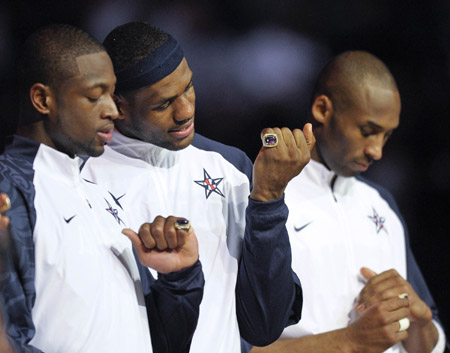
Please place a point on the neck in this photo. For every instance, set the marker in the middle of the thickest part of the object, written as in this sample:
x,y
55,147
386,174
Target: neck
x,y
35,131
317,156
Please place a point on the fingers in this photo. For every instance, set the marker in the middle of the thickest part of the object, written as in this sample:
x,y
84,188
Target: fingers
x,y
393,312
367,273
145,234
304,140
389,313
134,237
309,136
163,236
5,203
383,286
268,141
163,233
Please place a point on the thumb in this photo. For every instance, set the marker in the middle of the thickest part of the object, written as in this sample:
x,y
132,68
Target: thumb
x,y
133,236
367,273
309,136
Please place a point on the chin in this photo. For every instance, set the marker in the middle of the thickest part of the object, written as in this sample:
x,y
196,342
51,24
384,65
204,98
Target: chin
x,y
344,172
180,144
94,152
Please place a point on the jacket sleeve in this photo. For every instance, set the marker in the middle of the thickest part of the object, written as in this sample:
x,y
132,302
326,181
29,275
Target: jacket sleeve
x,y
18,268
268,292
414,275
173,306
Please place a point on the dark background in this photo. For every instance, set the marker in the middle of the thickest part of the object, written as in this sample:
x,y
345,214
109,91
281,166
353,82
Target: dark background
x,y
254,63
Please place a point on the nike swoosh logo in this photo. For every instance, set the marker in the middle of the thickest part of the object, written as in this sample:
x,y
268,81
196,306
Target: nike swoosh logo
x,y
69,219
298,229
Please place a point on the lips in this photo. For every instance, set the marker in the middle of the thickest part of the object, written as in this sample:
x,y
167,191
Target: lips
x,y
106,134
362,167
183,131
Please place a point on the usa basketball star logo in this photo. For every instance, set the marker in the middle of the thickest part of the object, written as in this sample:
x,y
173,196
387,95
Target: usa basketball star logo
x,y
211,185
378,220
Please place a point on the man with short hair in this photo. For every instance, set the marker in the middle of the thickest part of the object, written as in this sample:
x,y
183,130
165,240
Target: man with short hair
x,y
71,282
363,290
158,165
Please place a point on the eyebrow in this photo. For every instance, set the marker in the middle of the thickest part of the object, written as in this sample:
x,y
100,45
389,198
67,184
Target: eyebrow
x,y
374,125
169,99
101,85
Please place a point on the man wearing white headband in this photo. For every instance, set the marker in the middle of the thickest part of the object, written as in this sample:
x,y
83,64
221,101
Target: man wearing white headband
x,y
160,166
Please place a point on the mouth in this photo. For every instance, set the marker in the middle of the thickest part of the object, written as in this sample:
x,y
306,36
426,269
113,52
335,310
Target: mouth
x,y
362,167
183,131
106,134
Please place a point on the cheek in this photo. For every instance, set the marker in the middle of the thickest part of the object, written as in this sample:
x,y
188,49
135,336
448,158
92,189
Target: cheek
x,y
191,96
152,123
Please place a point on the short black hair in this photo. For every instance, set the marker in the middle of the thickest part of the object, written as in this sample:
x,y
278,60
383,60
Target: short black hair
x,y
344,74
131,42
48,55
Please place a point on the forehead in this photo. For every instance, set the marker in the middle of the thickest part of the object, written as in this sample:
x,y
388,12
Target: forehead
x,y
170,86
95,68
379,105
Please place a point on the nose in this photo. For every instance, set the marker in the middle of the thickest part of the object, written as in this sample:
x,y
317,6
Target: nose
x,y
374,149
184,107
110,110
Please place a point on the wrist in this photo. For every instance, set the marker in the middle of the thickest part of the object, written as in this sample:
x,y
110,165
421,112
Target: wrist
x,y
265,195
350,341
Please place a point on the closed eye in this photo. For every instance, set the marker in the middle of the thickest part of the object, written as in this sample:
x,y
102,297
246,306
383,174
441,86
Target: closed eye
x,y
92,100
366,132
163,106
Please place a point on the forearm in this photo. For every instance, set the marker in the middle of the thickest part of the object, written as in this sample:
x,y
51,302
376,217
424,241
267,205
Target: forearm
x,y
17,276
422,338
173,309
328,342
268,299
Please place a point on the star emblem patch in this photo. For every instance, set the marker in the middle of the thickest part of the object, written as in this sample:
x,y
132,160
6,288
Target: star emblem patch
x,y
210,184
378,221
114,212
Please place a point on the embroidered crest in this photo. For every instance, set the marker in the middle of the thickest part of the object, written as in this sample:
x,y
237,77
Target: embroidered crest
x,y
114,212
210,184
378,220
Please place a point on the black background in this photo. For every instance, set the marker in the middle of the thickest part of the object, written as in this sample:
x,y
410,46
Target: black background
x,y
237,50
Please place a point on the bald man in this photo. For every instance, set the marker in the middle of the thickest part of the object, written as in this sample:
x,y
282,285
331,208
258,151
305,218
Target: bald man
x,y
363,290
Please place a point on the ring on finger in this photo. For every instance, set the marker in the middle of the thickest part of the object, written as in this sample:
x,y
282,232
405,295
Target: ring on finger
x,y
6,206
404,324
182,224
270,140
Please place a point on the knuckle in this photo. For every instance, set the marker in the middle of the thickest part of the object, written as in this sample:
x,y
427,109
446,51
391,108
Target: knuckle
x,y
393,272
379,307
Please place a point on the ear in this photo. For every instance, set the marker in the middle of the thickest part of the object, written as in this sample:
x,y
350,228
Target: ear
x,y
322,109
122,105
41,97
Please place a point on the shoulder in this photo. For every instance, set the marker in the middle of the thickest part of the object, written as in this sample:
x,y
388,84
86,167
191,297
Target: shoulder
x,y
233,155
383,192
113,159
15,172
112,166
